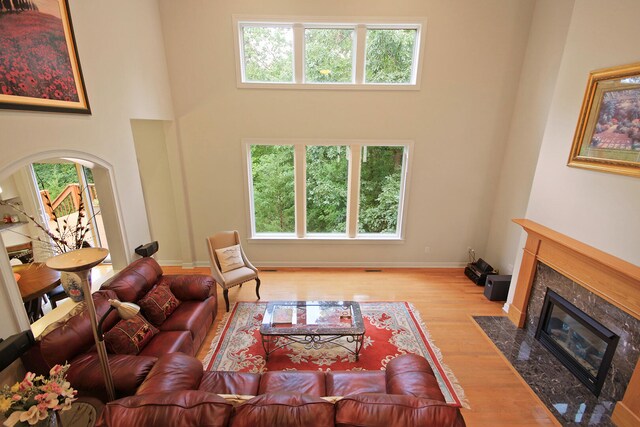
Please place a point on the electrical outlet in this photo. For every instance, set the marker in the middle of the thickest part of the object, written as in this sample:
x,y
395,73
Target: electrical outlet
x,y
427,250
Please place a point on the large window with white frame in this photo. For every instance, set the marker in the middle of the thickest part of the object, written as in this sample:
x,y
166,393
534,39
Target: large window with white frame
x,y
328,53
326,189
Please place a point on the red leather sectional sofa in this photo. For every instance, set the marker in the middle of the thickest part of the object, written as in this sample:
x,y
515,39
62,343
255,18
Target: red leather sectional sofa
x,y
71,339
178,392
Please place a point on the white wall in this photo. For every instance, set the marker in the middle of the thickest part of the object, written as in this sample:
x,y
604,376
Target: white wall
x,y
123,62
459,121
597,208
547,38
600,209
153,162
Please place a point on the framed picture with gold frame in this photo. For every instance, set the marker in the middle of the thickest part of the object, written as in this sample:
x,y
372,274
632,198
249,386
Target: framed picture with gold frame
x,y
39,65
608,134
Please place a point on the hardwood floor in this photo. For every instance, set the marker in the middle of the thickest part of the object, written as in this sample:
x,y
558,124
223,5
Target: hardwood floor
x,y
446,300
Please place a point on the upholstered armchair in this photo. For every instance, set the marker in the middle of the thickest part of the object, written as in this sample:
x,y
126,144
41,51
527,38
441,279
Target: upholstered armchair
x,y
229,264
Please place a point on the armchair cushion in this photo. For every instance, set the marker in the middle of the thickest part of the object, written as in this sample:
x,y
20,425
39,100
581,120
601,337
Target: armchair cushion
x,y
158,304
129,336
229,258
238,276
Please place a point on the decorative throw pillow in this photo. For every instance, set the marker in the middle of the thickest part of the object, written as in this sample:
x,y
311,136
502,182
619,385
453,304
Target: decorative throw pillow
x,y
129,336
158,304
229,258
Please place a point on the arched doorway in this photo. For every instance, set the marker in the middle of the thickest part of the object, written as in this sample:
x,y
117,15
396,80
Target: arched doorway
x,y
103,180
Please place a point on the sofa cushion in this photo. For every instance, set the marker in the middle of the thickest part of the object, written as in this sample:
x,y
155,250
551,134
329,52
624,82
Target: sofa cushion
x,y
342,383
135,280
222,382
188,316
158,304
180,408
129,336
169,342
391,410
187,287
128,372
283,410
307,382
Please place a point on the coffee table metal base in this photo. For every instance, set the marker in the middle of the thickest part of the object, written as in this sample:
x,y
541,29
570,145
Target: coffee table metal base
x,y
271,343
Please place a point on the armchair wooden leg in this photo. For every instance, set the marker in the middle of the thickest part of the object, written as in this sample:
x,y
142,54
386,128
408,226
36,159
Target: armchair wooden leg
x,y
258,287
226,298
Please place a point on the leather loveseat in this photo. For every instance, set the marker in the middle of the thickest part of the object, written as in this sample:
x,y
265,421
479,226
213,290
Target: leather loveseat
x,y
71,339
178,392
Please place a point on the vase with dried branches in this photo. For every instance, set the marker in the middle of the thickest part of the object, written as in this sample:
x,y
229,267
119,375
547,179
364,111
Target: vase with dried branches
x,y
66,236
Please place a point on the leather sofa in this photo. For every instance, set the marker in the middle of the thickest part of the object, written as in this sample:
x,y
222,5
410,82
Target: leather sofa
x,y
178,392
71,339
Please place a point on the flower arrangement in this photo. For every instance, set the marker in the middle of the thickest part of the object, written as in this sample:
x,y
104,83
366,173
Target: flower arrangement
x,y
37,398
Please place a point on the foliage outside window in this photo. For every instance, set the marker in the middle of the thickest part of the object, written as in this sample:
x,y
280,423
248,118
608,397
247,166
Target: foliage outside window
x,y
333,54
328,55
324,184
268,54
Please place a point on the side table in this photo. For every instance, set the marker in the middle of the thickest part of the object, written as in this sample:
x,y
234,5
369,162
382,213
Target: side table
x,y
84,412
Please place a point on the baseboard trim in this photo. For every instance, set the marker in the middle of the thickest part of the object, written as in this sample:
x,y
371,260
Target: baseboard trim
x,y
321,264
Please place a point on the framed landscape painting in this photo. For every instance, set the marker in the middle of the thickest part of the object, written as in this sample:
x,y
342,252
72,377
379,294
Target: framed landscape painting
x,y
608,134
39,66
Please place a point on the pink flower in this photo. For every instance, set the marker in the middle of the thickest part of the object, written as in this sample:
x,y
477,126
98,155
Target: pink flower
x,y
16,397
27,381
55,370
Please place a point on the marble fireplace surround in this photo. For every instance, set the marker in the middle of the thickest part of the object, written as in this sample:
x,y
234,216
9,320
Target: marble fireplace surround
x,y
614,280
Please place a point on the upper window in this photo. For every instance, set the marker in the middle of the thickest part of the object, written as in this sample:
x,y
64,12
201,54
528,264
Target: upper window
x,y
341,189
328,55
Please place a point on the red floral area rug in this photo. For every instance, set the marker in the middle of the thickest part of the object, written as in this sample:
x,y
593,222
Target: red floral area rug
x,y
391,329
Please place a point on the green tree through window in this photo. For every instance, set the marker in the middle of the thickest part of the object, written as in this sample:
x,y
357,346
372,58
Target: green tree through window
x,y
273,188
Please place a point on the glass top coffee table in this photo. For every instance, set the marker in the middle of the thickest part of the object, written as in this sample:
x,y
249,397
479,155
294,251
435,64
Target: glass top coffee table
x,y
313,324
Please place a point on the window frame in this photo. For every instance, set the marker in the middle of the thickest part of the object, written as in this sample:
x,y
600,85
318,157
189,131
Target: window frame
x,y
360,26
353,190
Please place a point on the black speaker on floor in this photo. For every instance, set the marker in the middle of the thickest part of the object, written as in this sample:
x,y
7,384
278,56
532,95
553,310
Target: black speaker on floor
x,y
478,271
497,287
148,249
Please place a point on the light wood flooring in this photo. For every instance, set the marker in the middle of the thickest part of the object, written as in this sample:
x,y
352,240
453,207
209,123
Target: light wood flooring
x,y
446,300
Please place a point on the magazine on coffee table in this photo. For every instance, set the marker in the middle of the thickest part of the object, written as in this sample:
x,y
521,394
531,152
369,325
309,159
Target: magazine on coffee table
x,y
283,315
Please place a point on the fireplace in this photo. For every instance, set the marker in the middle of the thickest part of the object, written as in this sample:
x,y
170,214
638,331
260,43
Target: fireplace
x,y
581,343
601,276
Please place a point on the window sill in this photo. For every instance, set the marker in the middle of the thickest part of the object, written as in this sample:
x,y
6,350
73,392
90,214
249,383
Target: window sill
x,y
326,240
329,86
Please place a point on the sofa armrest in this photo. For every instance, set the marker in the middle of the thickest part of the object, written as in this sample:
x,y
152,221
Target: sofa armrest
x,y
172,372
392,410
410,374
128,373
180,408
188,287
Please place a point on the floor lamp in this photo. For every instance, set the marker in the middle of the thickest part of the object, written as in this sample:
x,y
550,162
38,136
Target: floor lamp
x,y
81,262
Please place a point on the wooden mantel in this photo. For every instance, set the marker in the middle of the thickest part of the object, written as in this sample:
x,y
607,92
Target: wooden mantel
x,y
611,278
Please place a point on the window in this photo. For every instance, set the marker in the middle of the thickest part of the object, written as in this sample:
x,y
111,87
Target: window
x,y
333,190
328,55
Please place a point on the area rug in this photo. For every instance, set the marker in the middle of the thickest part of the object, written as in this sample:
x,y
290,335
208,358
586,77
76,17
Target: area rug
x,y
391,329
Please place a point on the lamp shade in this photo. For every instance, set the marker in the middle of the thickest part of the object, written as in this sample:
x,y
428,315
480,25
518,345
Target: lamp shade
x,y
126,310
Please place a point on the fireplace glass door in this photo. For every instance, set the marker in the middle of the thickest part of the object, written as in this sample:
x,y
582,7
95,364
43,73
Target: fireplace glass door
x,y
582,344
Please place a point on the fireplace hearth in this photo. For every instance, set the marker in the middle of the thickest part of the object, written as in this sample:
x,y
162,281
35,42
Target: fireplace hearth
x,y
582,344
